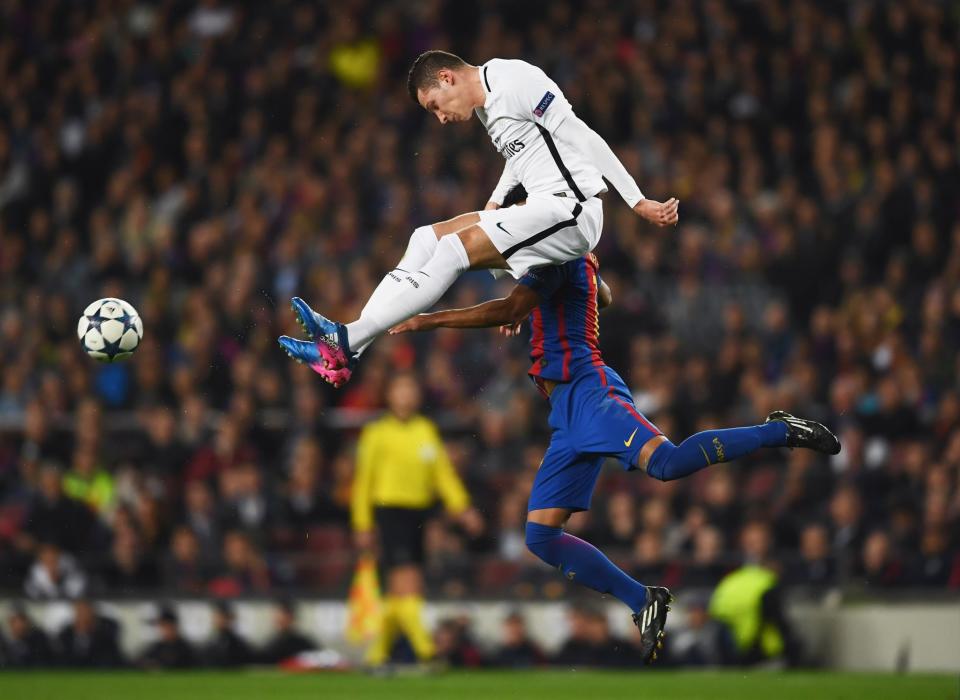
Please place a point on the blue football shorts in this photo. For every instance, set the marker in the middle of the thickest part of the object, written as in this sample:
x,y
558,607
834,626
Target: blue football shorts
x,y
593,417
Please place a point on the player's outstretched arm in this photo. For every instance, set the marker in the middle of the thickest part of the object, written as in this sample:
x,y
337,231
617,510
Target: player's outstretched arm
x,y
498,312
575,133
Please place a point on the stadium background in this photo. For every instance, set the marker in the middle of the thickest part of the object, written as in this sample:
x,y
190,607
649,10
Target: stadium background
x,y
205,161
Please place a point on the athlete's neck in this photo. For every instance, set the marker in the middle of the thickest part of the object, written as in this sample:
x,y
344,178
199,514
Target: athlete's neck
x,y
477,94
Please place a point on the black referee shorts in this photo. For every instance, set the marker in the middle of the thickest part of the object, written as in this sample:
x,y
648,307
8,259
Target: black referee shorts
x,y
401,535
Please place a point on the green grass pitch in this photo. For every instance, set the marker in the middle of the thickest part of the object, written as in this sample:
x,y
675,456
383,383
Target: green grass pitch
x,y
482,685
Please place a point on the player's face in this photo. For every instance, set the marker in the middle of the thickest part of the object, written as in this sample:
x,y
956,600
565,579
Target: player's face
x,y
449,100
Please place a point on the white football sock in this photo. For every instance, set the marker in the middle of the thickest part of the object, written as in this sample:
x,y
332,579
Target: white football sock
x,y
423,242
404,294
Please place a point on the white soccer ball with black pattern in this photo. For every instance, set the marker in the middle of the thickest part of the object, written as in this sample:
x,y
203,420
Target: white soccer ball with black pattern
x,y
110,330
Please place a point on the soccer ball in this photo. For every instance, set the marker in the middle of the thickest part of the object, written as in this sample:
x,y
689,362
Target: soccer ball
x,y
110,329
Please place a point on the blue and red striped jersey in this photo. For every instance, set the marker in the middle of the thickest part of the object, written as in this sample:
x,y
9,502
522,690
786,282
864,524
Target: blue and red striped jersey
x,y
565,326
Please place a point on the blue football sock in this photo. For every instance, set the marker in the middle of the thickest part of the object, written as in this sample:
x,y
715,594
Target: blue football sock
x,y
671,461
582,562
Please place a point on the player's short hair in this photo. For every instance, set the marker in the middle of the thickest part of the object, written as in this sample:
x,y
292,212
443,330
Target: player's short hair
x,y
423,72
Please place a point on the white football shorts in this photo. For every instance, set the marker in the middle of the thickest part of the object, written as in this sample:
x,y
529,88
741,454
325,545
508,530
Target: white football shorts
x,y
547,230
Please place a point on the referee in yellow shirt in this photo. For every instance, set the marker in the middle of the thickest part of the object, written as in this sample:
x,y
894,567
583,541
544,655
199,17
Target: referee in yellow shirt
x,y
402,468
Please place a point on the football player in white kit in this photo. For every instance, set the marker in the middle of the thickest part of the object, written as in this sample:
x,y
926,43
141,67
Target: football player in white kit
x,y
557,158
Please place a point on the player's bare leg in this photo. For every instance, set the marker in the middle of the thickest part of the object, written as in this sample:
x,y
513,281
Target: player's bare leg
x,y
457,223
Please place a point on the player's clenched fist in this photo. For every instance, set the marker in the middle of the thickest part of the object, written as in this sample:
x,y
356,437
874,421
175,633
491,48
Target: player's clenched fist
x,y
659,213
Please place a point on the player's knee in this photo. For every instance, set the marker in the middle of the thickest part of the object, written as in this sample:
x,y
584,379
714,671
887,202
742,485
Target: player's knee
x,y
480,249
539,539
657,462
425,236
420,248
451,249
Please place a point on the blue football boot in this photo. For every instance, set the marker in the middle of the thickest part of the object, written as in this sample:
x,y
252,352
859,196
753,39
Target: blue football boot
x,y
313,324
310,353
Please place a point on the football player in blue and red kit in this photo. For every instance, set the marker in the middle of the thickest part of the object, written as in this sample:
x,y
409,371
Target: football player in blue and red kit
x,y
593,417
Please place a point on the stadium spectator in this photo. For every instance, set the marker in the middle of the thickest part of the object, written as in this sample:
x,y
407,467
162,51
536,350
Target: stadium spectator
x,y
649,560
201,517
454,645
814,566
226,648
170,650
749,602
246,504
500,443
448,562
621,523
609,651
55,574
516,649
800,497
935,564
26,645
510,539
591,644
720,500
286,641
879,566
149,520
184,570
160,452
701,641
89,483
579,650
681,539
755,542
846,522
38,441
55,518
228,450
90,640
303,503
131,568
706,567
244,568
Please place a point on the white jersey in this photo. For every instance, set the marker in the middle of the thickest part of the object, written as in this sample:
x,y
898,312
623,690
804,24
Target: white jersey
x,y
522,110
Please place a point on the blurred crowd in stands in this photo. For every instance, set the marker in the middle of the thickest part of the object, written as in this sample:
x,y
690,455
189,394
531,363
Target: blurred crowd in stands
x,y
206,161
92,639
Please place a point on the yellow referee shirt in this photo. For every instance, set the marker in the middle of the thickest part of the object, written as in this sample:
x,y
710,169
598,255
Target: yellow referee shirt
x,y
402,464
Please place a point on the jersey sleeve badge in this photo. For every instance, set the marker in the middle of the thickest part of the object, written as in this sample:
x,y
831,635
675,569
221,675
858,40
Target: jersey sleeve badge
x,y
544,103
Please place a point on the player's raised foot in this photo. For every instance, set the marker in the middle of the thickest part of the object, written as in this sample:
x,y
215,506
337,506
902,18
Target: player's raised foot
x,y
331,335
807,433
651,621
313,324
309,352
